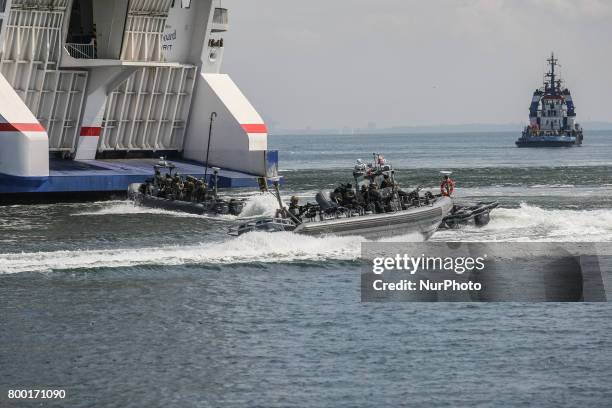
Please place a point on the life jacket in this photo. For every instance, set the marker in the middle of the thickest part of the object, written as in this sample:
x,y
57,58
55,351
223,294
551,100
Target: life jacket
x,y
447,188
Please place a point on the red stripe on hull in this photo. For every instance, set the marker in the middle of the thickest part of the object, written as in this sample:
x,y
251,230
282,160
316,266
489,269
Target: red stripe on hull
x,y
21,127
255,128
91,131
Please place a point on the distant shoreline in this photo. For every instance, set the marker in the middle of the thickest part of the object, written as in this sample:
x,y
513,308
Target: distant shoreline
x,y
475,128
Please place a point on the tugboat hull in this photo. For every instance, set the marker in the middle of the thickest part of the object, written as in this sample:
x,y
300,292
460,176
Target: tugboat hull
x,y
545,143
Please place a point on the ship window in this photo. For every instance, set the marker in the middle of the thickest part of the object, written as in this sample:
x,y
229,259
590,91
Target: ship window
x,y
186,3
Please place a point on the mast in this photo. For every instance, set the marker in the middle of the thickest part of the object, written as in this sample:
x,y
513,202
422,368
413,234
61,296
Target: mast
x,y
554,84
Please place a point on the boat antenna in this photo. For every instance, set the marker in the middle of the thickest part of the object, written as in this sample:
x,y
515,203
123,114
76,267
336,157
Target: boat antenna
x,y
551,74
212,118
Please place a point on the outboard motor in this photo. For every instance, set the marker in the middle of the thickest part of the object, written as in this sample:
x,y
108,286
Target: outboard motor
x,y
324,200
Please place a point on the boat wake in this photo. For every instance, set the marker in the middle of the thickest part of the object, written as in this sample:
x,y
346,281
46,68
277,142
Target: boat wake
x,y
527,223
258,247
256,205
531,223
255,247
129,208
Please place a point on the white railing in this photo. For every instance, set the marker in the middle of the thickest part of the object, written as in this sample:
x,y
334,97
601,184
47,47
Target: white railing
x,y
82,51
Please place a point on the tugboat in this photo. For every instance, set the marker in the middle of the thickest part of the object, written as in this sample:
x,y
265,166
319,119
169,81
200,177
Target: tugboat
x,y
374,208
168,190
552,115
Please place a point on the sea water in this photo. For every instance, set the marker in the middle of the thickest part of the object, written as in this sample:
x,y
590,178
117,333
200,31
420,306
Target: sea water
x,y
125,306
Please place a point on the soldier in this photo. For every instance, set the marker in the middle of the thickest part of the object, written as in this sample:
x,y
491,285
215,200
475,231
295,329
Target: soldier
x,y
337,195
158,180
376,198
294,208
154,186
388,182
165,186
200,190
448,186
364,198
190,184
349,198
177,187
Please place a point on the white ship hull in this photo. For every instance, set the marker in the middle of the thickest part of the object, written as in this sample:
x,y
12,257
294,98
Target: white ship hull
x,y
87,81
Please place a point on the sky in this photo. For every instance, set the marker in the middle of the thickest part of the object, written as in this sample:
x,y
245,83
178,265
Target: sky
x,y
349,63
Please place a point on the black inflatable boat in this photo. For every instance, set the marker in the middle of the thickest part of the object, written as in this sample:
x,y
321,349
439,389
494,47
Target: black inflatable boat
x,y
464,214
170,191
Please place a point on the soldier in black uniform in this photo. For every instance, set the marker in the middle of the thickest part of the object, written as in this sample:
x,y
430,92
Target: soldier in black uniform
x,y
158,179
165,186
375,198
387,182
363,196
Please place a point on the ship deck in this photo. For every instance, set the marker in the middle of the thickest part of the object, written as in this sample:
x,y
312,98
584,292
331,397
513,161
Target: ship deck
x,y
107,176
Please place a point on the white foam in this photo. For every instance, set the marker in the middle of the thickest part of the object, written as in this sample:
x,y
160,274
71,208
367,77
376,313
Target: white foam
x,y
532,223
547,186
256,205
411,237
257,247
533,191
527,223
128,208
260,205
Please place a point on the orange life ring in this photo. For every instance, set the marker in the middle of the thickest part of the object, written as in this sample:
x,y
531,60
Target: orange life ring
x,y
447,188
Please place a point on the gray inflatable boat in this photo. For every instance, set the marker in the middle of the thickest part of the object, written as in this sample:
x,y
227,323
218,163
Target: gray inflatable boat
x,y
365,210
423,220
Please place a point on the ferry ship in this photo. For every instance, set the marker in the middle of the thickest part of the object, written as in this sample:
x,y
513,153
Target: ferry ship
x,y
95,91
552,115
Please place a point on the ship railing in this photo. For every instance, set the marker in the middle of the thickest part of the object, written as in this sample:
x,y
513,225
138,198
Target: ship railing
x,y
82,51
